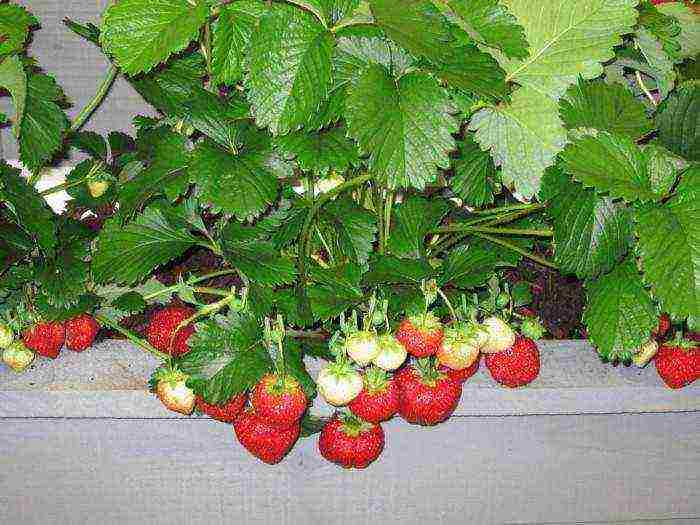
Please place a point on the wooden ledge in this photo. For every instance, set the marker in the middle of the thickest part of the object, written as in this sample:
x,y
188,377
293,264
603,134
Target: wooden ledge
x,y
109,381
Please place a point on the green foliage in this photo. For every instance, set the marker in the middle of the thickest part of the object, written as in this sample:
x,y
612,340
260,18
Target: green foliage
x,y
678,121
15,22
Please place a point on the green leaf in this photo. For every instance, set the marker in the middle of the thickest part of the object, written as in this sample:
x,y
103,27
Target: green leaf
x,y
468,267
354,54
591,233
320,152
335,290
170,87
258,260
661,65
387,269
611,164
168,156
474,174
15,22
557,31
141,34
605,107
491,23
131,302
411,222
91,143
294,365
689,21
417,25
663,167
238,184
232,34
524,138
226,357
669,245
29,208
678,119
351,228
471,70
664,28
62,281
126,254
290,68
80,192
405,126
43,123
620,313
311,425
14,80
88,31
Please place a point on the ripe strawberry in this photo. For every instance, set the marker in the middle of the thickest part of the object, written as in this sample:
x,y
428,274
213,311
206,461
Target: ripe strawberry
x,y
500,335
45,339
339,383
279,400
6,336
362,347
421,335
461,345
81,332
227,412
17,356
391,355
173,392
426,395
162,325
678,363
517,365
461,376
267,443
350,442
664,326
379,399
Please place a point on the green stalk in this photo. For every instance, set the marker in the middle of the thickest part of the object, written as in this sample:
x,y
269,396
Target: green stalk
x,y
131,337
517,249
304,245
510,207
190,282
496,231
96,100
67,185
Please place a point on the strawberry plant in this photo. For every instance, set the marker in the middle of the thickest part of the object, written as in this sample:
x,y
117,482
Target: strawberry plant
x,y
365,173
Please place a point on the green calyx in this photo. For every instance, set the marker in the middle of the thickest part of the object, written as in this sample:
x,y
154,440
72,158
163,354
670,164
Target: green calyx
x,y
341,369
376,380
170,375
532,328
428,371
465,333
282,384
353,426
426,322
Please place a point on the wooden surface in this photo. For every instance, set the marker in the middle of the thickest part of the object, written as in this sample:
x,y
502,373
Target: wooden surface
x,y
84,443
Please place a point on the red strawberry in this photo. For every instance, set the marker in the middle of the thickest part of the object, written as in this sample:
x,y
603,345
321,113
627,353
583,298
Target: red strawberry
x,y
268,444
279,401
350,442
461,376
162,325
379,399
427,396
81,332
664,326
516,366
227,412
45,339
678,364
421,335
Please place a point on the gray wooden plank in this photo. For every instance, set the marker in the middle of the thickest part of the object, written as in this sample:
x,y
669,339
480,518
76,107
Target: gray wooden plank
x,y
110,381
546,469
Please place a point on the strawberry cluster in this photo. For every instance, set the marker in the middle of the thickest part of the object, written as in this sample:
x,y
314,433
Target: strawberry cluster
x,y
47,339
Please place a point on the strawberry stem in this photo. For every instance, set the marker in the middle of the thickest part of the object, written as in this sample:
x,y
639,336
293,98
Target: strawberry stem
x,y
131,336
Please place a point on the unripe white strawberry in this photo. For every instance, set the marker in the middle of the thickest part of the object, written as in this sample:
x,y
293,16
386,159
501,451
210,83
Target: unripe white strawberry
x,y
173,392
339,383
17,356
645,353
6,336
392,354
362,347
461,346
500,335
